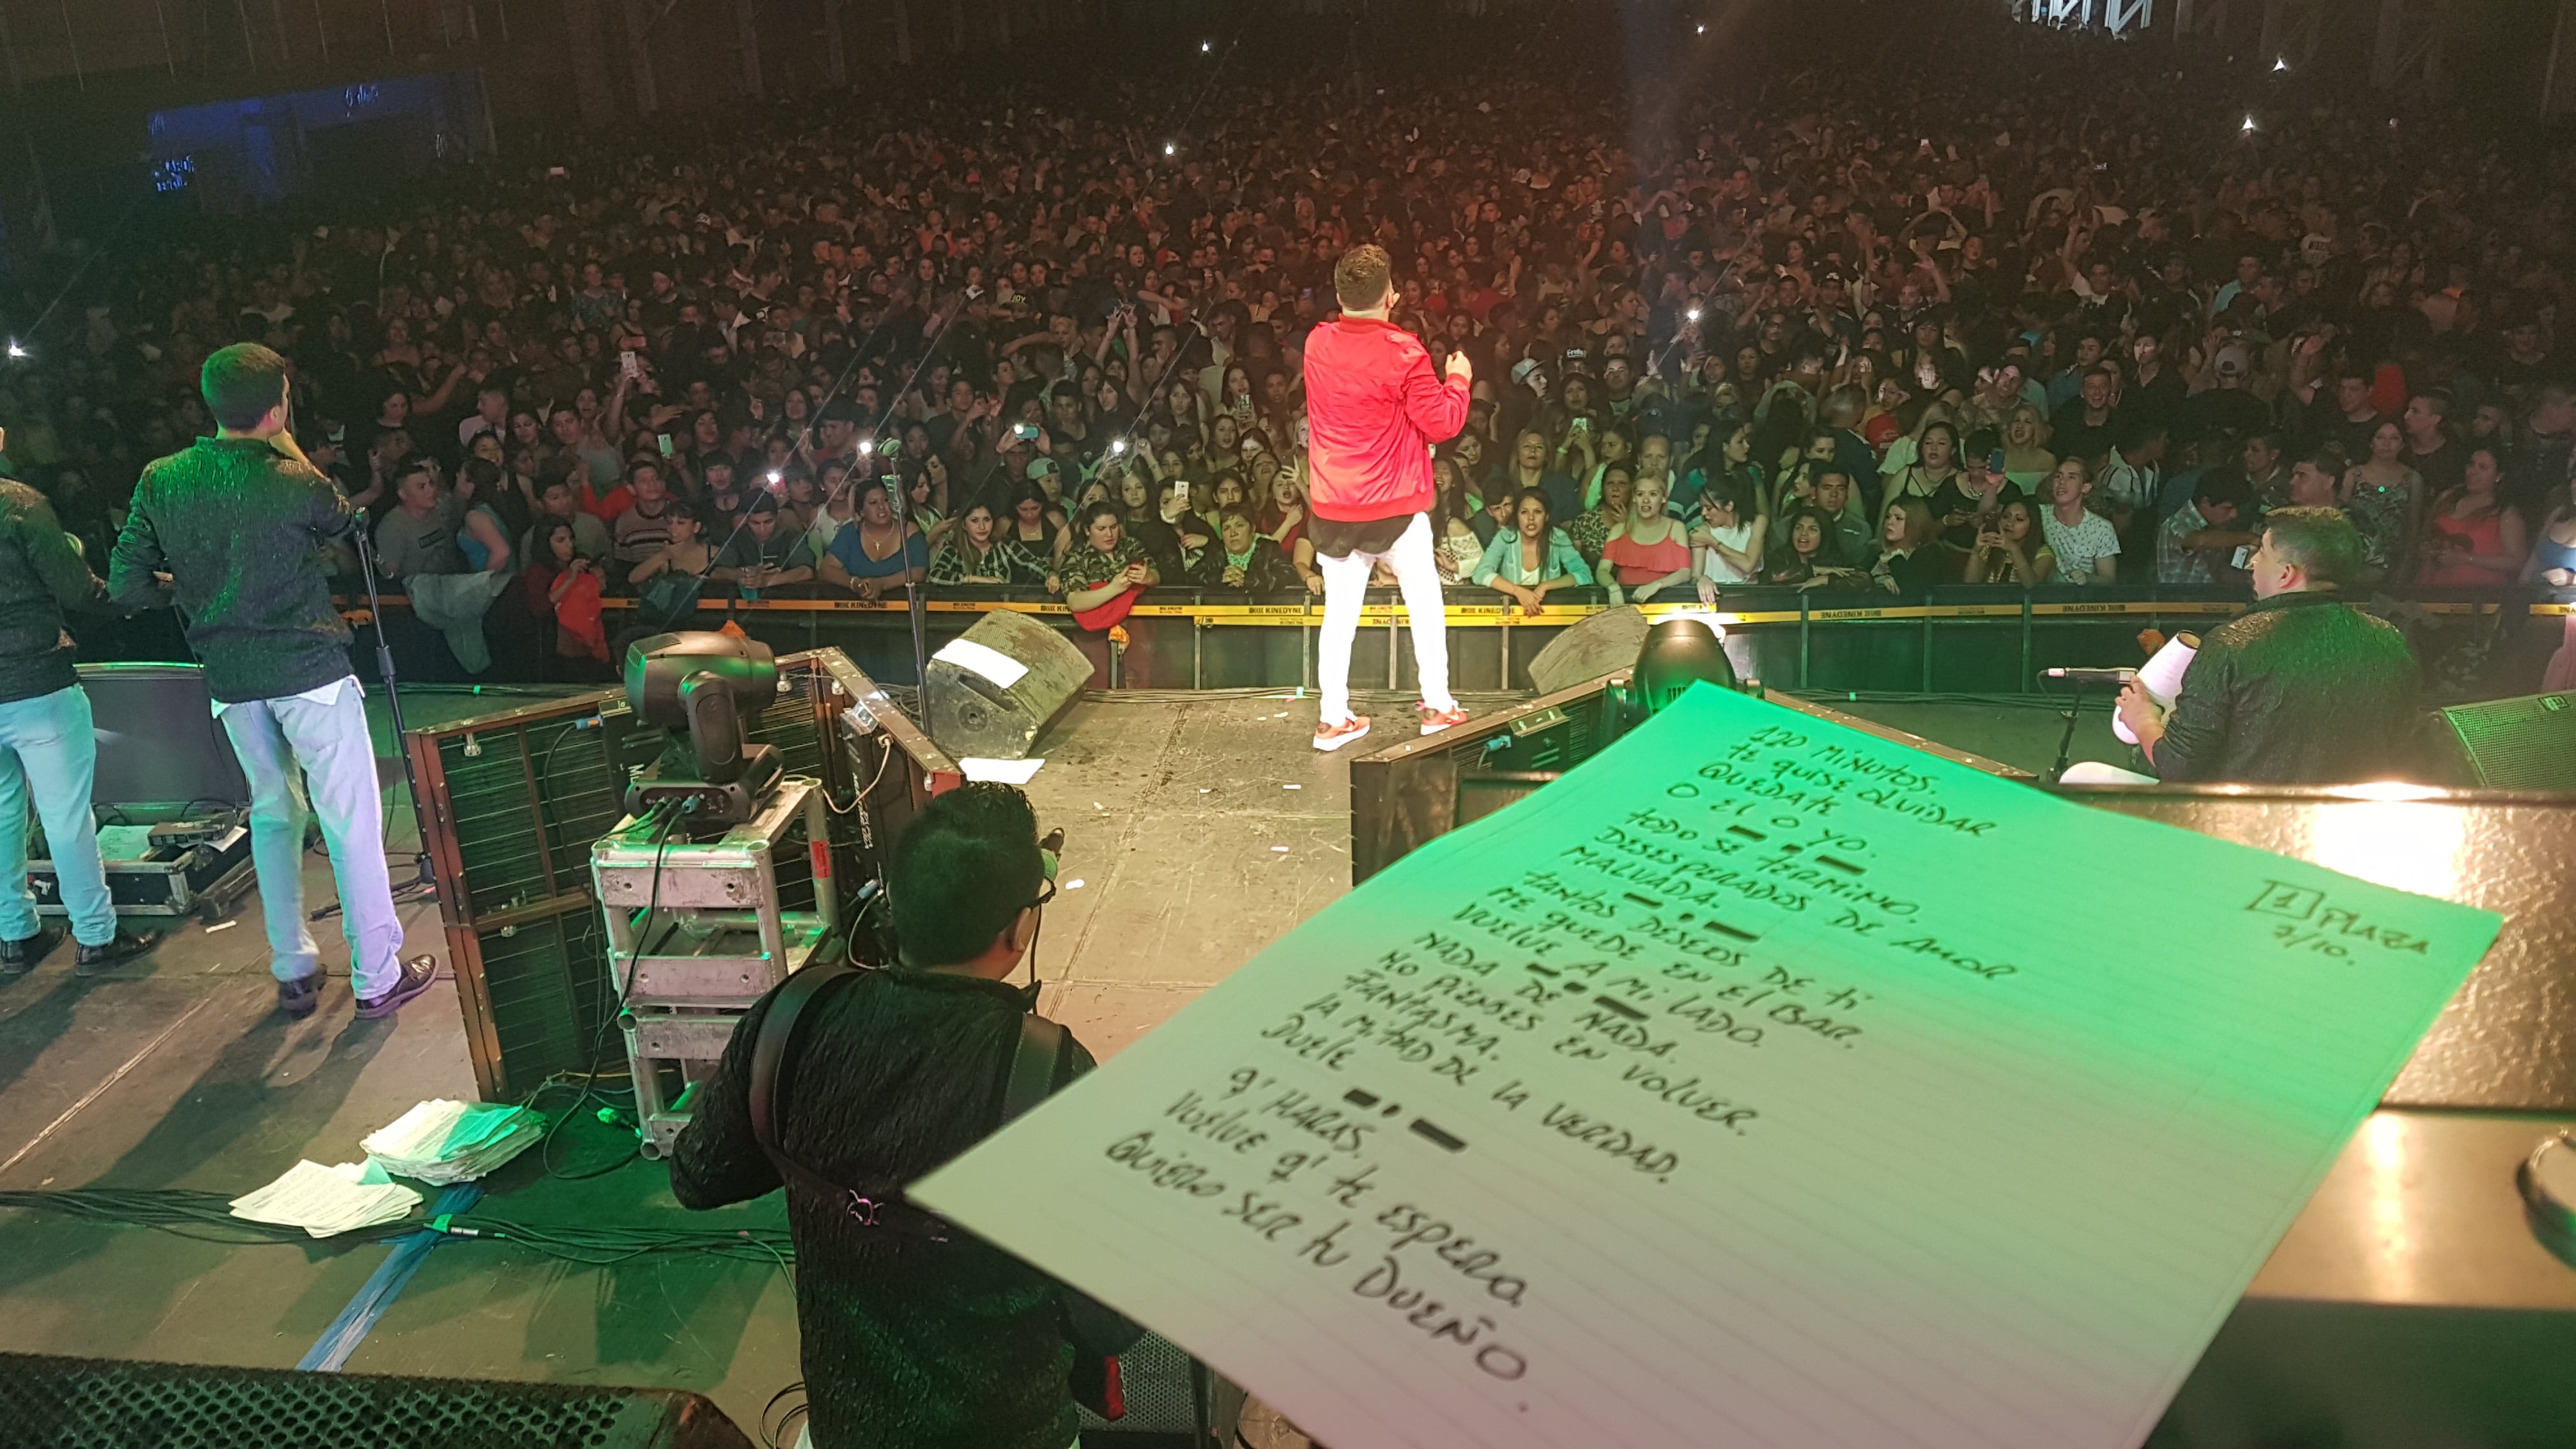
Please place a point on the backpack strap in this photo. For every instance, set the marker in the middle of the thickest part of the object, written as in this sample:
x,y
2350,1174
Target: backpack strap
x,y
1037,1060
777,1038
770,1053
1035,1065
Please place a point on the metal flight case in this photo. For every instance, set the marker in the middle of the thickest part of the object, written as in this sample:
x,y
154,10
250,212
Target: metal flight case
x,y
698,930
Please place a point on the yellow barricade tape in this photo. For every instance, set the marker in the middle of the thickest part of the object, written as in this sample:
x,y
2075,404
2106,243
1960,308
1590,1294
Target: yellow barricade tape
x,y
1492,616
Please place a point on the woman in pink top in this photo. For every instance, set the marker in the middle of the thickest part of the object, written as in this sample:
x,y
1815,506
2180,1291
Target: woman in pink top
x,y
2474,539
1651,553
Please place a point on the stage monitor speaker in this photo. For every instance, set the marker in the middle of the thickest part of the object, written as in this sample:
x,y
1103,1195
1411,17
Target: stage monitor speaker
x,y
159,743
1602,644
994,689
75,1403
2517,744
1168,1405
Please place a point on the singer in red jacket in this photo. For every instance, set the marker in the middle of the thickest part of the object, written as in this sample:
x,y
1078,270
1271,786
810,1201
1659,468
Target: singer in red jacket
x,y
1375,408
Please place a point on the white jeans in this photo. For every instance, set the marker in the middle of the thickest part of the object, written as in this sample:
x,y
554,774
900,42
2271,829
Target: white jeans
x,y
272,737
2090,772
1346,588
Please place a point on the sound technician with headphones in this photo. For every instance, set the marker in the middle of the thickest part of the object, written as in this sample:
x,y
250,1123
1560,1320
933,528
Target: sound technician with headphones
x,y
844,1085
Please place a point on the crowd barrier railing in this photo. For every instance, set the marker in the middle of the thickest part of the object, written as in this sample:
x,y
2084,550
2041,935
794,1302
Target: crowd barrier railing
x,y
1952,640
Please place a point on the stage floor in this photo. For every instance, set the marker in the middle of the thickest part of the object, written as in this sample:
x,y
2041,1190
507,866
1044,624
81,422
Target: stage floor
x,y
1199,830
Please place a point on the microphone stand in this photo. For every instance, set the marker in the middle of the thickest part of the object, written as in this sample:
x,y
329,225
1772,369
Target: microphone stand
x,y
2066,739
422,879
915,594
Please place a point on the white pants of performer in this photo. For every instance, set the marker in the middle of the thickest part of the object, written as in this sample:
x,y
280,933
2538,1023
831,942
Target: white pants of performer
x,y
1345,588
311,754
2091,772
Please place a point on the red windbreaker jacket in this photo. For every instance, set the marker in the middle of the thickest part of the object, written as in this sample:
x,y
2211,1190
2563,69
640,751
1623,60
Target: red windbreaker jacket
x,y
1374,408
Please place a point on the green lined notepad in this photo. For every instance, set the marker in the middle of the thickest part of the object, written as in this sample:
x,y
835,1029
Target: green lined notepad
x,y
1759,1082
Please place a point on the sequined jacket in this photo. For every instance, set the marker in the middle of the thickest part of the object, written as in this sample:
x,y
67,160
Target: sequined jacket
x,y
2300,689
41,574
240,530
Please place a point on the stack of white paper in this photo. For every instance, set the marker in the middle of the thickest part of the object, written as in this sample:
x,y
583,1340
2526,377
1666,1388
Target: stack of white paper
x,y
328,1200
442,1142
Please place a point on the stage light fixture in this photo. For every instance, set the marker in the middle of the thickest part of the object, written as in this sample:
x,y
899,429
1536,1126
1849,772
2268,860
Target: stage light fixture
x,y
1677,654
703,685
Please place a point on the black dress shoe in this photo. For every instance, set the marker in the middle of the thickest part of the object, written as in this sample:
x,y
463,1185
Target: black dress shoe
x,y
121,948
418,975
17,958
298,997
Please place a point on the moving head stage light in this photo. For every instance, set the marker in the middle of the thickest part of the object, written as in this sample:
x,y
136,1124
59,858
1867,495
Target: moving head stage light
x,y
1677,654
705,683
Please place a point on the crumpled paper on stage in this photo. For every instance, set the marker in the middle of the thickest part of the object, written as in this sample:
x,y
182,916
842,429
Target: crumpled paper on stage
x,y
326,1201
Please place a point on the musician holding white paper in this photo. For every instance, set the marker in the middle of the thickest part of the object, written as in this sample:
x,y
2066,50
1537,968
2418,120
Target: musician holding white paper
x,y
1713,1097
2302,688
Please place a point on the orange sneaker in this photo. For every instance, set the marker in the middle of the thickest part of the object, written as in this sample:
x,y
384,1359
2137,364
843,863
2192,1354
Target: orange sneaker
x,y
1436,720
1334,736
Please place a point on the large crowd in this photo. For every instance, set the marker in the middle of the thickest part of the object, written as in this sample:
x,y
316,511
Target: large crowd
x,y
1867,323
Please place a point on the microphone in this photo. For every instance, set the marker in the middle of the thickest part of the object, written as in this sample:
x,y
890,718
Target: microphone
x,y
2091,676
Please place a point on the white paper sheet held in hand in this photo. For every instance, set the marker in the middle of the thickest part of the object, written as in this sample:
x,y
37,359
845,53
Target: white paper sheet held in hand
x,y
1760,1082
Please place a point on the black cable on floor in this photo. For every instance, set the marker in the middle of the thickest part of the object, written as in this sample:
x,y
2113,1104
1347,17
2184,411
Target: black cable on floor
x,y
207,1216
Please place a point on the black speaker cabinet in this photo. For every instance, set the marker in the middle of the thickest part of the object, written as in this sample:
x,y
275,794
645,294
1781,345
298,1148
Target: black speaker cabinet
x,y
159,744
994,689
2517,744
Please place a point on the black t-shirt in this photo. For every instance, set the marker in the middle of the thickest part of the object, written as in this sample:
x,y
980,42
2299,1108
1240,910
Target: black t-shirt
x,y
1335,539
2070,436
2441,468
2229,410
2515,376
1085,450
2160,399
2350,438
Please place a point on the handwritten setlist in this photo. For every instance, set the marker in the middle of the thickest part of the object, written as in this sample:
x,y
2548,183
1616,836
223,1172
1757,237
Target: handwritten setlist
x,y
1759,1082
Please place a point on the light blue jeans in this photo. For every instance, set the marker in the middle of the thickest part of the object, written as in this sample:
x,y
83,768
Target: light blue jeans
x,y
272,737
47,750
